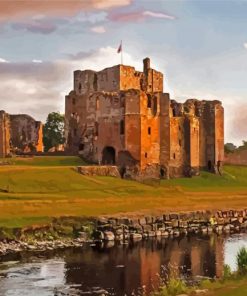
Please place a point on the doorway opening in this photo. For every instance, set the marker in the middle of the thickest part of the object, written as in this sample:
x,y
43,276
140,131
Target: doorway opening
x,y
108,155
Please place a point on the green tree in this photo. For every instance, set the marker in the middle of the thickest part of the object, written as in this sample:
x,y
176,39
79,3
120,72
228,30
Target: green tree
x,y
53,132
230,147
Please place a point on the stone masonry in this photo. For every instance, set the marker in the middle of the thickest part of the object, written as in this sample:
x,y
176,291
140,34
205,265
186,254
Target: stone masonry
x,y
120,116
19,133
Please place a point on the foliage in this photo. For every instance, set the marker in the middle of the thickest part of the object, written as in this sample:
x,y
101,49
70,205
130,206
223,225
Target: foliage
x,y
230,148
243,146
227,272
53,131
172,288
242,260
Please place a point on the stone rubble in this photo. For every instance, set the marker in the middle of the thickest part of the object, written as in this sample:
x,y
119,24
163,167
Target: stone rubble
x,y
40,246
170,225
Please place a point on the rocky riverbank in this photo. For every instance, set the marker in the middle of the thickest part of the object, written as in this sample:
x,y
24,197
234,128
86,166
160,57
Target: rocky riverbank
x,y
39,246
167,225
67,232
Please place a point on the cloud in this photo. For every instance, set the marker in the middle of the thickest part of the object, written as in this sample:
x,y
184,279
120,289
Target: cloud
x,y
138,16
102,58
35,26
236,121
245,45
3,60
18,9
158,15
98,29
37,61
38,88
34,88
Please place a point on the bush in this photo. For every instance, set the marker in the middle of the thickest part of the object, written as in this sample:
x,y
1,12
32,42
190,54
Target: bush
x,y
227,272
172,288
242,261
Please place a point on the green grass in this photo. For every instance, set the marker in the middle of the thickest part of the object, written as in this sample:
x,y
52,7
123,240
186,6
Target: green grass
x,y
45,161
231,287
44,187
233,177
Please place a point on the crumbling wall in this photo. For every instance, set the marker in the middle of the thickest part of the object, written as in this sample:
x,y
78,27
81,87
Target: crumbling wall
x,y
26,133
4,134
150,136
165,131
236,158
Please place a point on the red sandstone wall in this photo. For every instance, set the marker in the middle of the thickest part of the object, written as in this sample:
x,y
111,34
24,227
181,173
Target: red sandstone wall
x,y
150,137
194,142
133,123
4,134
236,158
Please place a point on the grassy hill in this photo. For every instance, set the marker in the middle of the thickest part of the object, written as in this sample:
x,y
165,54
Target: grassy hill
x,y
44,187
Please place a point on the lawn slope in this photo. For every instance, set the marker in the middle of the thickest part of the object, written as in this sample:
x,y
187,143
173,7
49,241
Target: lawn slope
x,y
44,187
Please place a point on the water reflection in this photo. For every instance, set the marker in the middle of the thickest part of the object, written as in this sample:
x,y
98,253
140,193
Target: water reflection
x,y
119,269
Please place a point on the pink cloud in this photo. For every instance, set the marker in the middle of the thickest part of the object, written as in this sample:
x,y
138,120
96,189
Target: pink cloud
x,y
139,16
42,27
18,9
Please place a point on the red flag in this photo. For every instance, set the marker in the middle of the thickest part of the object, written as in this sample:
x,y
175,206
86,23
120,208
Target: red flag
x,y
119,48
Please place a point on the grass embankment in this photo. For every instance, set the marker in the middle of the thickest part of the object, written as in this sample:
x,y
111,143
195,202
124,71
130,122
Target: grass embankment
x,y
230,287
44,187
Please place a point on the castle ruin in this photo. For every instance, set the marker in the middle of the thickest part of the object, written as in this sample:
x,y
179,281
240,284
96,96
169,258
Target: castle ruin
x,y
122,116
19,134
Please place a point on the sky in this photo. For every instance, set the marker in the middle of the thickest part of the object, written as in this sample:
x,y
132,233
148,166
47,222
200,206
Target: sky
x,y
200,46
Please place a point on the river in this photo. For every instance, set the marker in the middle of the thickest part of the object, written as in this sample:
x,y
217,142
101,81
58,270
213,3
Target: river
x,y
119,269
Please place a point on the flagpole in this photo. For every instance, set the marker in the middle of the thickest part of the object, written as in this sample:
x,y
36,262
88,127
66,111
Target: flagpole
x,y
121,53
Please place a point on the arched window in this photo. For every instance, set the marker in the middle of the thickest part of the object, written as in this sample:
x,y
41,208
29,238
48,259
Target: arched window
x,y
149,102
79,87
154,107
97,103
122,127
96,129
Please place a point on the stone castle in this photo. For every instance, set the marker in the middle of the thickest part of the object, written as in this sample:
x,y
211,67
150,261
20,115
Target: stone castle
x,y
122,116
19,134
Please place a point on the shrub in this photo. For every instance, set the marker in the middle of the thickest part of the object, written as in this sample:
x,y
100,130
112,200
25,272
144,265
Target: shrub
x,y
227,272
242,261
172,288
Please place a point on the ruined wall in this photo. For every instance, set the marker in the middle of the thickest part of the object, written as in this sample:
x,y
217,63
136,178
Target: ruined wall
x,y
194,142
150,136
236,158
26,133
165,129
132,123
4,134
219,132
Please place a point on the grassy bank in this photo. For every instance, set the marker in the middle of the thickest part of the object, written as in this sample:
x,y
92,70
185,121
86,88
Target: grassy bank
x,y
44,187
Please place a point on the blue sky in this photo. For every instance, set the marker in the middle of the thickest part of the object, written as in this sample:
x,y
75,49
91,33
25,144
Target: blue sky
x,y
200,46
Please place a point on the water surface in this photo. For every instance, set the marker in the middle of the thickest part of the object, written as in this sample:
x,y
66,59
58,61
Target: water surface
x,y
119,269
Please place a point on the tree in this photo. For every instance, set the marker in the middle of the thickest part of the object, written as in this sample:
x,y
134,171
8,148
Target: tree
x,y
53,131
230,147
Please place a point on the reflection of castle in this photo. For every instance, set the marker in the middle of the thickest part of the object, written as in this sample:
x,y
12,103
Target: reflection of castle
x,y
126,267
120,115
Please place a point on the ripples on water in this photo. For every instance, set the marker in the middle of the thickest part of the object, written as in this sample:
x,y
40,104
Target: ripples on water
x,y
117,269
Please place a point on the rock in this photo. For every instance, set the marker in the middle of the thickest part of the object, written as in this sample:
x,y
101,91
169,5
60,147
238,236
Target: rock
x,y
157,233
98,235
203,291
109,236
176,233
136,236
151,233
142,221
